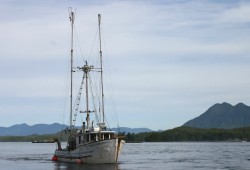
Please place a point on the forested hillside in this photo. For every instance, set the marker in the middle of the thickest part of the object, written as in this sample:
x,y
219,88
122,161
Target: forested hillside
x,y
223,116
193,134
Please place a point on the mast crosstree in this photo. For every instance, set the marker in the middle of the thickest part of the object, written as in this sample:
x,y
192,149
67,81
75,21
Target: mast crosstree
x,y
86,69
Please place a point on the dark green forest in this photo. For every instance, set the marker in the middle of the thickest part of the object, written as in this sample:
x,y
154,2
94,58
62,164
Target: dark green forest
x,y
182,134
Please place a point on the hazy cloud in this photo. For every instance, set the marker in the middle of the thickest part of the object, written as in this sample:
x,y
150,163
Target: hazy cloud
x,y
169,60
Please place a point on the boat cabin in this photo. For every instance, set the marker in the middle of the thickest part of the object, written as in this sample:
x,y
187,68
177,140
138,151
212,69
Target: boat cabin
x,y
89,136
94,136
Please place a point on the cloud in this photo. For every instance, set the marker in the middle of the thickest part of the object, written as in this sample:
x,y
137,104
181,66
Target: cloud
x,y
163,55
236,15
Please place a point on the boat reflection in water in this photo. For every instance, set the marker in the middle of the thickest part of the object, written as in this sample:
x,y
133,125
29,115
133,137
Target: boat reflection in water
x,y
70,166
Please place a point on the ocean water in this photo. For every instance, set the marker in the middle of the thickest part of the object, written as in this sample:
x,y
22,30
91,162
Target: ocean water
x,y
135,156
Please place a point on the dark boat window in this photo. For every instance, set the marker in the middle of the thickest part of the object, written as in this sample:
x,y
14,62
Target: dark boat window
x,y
106,136
87,138
92,137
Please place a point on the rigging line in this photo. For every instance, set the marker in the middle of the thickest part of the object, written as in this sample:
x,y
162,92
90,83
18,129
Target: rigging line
x,y
93,44
98,93
110,82
95,85
65,92
93,99
113,107
107,121
63,107
78,42
79,91
111,93
110,106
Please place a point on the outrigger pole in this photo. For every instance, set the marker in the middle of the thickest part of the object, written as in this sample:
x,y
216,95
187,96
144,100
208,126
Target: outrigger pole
x,y
71,18
100,41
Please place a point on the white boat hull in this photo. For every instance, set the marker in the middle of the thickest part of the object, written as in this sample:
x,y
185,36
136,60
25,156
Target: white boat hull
x,y
106,151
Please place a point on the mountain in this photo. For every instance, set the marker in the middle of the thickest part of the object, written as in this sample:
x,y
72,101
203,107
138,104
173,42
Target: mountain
x,y
24,129
224,116
40,129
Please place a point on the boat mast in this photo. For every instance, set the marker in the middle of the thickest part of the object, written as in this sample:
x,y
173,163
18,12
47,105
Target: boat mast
x,y
100,47
71,18
86,70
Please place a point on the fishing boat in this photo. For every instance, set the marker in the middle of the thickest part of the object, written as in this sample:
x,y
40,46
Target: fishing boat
x,y
91,143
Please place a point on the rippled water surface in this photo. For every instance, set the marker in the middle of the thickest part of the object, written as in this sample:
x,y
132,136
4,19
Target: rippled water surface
x,y
206,156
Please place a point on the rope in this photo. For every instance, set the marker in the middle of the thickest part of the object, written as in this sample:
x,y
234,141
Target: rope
x,y
109,85
93,99
78,42
93,45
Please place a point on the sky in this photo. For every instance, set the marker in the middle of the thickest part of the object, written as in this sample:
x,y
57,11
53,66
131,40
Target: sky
x,y
169,60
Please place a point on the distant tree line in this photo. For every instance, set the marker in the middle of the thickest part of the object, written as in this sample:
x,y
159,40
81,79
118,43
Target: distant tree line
x,y
180,134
